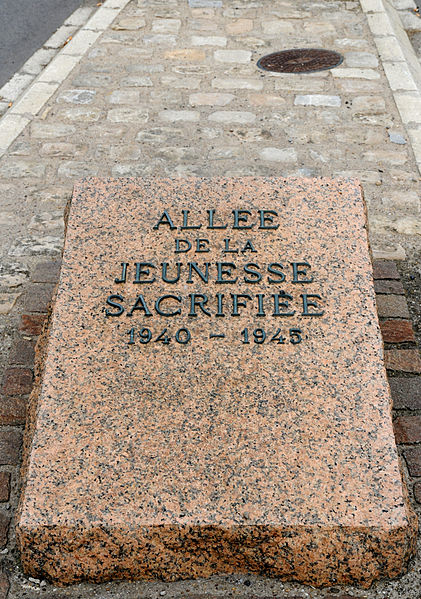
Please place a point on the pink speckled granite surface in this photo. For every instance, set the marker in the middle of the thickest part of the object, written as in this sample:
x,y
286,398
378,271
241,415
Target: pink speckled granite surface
x,y
182,460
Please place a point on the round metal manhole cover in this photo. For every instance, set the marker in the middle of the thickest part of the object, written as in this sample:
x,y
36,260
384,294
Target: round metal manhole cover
x,y
302,60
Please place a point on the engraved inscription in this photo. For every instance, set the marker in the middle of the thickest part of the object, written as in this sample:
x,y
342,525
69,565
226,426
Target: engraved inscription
x,y
219,285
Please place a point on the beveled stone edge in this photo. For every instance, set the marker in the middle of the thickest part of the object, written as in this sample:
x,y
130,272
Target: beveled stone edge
x,y
326,556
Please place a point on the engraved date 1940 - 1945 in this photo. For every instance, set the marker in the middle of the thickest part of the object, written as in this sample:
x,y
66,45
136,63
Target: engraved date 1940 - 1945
x,y
182,336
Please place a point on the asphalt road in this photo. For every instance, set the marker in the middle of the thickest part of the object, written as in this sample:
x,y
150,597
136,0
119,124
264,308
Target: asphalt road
x,y
25,25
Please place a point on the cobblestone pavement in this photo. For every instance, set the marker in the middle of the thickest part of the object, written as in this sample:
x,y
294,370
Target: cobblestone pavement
x,y
172,88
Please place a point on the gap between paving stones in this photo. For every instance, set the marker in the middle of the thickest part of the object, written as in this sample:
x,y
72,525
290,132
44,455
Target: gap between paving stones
x,y
40,89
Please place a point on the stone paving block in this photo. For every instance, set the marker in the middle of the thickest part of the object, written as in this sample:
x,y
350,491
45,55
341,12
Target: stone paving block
x,y
407,429
403,360
210,99
232,56
32,323
267,100
193,55
46,272
359,86
60,67
77,96
38,297
7,301
76,170
4,528
380,24
319,27
37,246
275,27
396,138
82,114
15,169
144,68
128,115
10,445
409,107
12,411
125,96
372,5
317,100
205,3
178,83
166,25
79,17
136,81
361,60
214,40
33,99
173,116
62,149
239,26
232,116
90,80
22,353
399,76
392,157
4,486
353,73
393,306
13,88
253,84
17,381
160,39
11,126
389,49
278,154
47,222
402,201
77,46
42,130
58,39
129,24
368,104
413,460
406,392
406,225
411,21
404,4
385,269
386,286
397,331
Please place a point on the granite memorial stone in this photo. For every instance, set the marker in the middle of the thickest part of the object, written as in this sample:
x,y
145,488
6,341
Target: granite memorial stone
x,y
211,395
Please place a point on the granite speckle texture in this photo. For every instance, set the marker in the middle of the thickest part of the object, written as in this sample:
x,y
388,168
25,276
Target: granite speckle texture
x,y
177,454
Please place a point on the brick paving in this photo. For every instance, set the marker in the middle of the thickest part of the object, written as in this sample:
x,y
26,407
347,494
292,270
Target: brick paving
x,y
171,88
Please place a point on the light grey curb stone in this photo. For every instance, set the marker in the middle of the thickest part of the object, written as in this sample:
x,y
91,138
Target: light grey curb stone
x,y
41,88
400,64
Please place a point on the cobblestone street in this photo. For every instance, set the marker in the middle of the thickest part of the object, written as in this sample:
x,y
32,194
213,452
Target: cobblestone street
x,y
172,88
